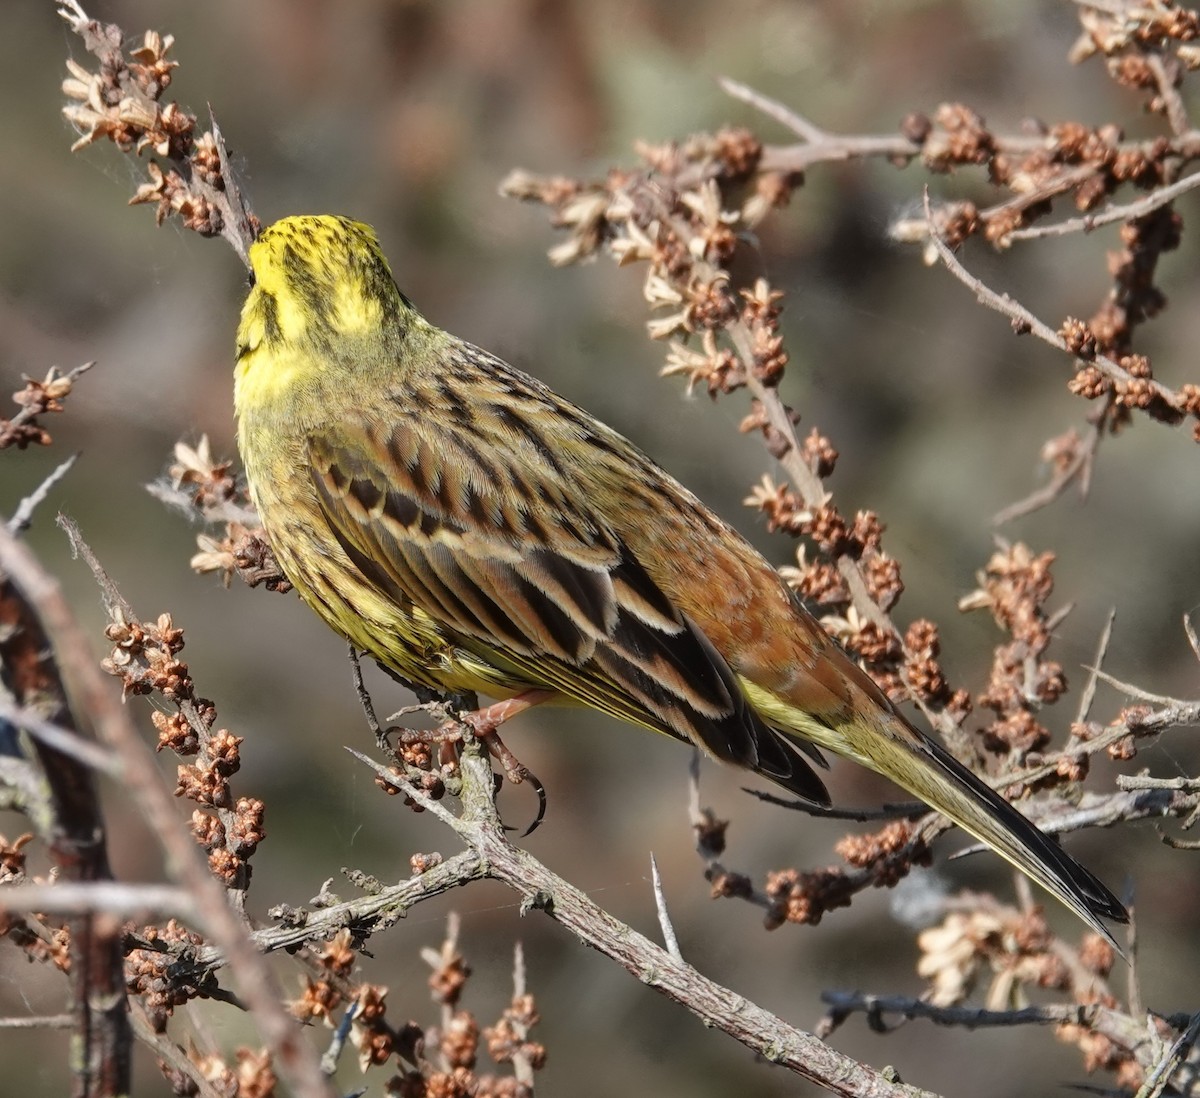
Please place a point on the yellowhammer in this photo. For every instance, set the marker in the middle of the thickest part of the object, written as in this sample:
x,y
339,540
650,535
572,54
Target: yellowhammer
x,y
473,531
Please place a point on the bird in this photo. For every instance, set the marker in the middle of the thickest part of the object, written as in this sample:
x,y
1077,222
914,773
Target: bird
x,y
475,533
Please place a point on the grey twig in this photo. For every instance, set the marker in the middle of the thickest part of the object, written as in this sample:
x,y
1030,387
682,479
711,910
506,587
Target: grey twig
x,y
23,515
1158,1078
1089,689
125,901
664,916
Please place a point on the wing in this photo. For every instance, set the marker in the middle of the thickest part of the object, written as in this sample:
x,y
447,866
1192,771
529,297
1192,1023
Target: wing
x,y
478,522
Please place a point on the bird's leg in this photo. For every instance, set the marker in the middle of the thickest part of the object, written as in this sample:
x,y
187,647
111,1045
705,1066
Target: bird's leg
x,y
483,723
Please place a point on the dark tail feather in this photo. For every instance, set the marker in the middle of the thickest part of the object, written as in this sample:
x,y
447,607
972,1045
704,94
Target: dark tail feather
x,y
889,744
1077,886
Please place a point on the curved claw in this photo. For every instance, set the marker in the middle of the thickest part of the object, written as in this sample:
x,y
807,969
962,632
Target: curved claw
x,y
527,775
531,777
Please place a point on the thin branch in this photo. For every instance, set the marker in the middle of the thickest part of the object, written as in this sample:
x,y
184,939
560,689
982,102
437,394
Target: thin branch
x,y
522,1067
124,901
1193,639
1156,1081
179,500
843,1004
1127,211
716,1006
664,916
1089,690
363,913
1126,1031
905,810
1173,104
1079,468
772,108
481,828
63,740
1025,321
39,1021
337,1043
1144,781
1139,693
22,517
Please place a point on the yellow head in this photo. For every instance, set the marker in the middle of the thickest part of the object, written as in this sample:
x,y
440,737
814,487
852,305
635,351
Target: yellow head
x,y
314,278
321,296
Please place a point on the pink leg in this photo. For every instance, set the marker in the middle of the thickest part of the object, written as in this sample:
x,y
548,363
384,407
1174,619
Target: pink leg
x,y
484,723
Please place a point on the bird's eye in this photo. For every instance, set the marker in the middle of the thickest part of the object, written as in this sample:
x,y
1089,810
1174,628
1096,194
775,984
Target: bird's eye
x,y
251,281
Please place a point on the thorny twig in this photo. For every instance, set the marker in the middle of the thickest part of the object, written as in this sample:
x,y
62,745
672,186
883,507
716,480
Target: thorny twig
x,y
23,515
479,825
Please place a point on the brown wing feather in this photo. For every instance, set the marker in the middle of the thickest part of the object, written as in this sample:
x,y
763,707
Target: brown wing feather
x,y
522,573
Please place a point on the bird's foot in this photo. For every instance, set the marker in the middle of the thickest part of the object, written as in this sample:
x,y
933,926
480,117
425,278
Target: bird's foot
x,y
483,723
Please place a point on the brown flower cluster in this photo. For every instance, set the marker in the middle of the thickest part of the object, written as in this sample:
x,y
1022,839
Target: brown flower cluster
x,y
1131,724
819,579
879,860
417,763
1133,299
38,939
1016,952
145,658
888,854
252,1075
923,672
436,1060
208,483
121,102
508,1040
1045,163
804,897
209,486
12,857
161,971
37,398
685,227
1160,26
1015,586
1147,48
244,551
321,995
333,988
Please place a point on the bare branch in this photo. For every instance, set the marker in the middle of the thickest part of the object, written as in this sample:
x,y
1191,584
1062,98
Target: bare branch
x,y
664,916
125,901
1089,690
22,517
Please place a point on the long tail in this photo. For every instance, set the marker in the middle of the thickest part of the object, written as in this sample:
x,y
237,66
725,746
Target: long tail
x,y
898,751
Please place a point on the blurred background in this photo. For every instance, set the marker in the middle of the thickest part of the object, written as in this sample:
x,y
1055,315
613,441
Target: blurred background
x,y
408,115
